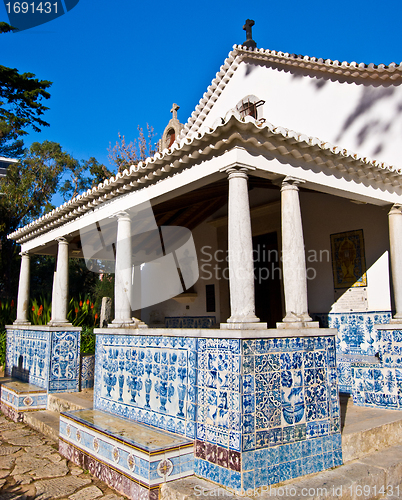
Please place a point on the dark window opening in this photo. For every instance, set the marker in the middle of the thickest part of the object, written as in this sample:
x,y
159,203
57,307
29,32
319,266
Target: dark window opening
x,y
249,108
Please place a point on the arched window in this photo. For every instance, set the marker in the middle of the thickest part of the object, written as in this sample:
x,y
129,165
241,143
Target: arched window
x,y
170,137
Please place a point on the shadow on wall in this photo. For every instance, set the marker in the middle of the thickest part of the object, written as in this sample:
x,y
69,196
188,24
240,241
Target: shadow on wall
x,y
372,127
19,372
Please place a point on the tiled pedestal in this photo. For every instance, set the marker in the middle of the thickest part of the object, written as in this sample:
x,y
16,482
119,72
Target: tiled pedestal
x,y
379,385
133,458
261,408
48,357
19,397
357,337
87,371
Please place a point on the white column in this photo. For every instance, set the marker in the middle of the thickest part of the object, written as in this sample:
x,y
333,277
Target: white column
x,y
60,286
395,241
240,246
293,257
123,274
23,291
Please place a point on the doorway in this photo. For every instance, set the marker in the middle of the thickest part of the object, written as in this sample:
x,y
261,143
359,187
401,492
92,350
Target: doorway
x,y
267,279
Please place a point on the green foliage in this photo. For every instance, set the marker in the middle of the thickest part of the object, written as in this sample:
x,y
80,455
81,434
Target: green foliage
x,y
3,345
41,311
21,106
88,339
82,312
6,28
8,313
27,192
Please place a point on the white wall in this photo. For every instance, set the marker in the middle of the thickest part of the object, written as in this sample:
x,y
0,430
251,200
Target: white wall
x,y
361,117
324,215
204,236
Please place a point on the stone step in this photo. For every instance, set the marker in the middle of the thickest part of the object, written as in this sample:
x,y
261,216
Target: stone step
x,y
374,476
70,401
44,421
366,430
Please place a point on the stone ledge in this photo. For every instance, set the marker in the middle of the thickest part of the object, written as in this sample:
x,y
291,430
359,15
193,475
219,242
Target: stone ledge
x,y
214,333
45,328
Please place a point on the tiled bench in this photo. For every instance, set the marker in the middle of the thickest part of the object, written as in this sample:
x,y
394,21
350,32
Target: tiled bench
x,y
18,397
133,458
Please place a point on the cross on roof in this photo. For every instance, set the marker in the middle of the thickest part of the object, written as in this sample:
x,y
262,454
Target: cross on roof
x,y
247,28
174,110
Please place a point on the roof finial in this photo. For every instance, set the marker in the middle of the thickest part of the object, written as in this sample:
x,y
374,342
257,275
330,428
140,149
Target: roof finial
x,y
249,42
174,110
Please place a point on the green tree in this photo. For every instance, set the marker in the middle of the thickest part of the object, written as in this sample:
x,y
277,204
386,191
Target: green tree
x,y
27,193
76,177
21,107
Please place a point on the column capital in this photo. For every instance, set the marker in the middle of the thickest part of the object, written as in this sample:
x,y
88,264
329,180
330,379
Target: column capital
x,y
290,182
62,240
237,170
121,215
25,254
396,209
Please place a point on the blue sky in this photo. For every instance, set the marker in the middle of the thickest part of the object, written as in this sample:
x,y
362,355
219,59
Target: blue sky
x,y
119,64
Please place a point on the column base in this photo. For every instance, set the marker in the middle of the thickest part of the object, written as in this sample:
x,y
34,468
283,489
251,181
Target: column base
x,y
21,322
298,324
132,323
244,326
59,323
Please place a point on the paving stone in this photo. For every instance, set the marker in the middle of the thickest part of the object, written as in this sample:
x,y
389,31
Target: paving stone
x,y
4,473
7,462
59,487
51,470
30,440
76,471
23,479
26,463
39,451
16,432
89,493
111,496
8,450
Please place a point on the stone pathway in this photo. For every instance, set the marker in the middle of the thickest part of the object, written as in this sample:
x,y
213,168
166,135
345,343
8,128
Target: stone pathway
x,y
32,468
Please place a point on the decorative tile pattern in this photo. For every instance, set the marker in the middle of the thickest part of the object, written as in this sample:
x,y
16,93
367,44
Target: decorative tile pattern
x,y
241,400
356,336
87,371
148,379
379,384
190,321
47,359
